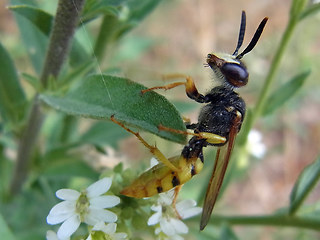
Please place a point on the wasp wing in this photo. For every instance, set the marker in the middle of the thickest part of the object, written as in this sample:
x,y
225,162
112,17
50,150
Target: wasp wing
x,y
219,170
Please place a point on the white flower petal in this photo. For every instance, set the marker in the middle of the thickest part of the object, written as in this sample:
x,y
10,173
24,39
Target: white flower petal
x,y
51,235
98,226
68,227
155,218
63,207
187,213
110,228
119,236
56,219
179,226
68,194
185,204
167,227
254,136
104,201
89,237
166,198
258,150
156,208
157,230
61,212
187,209
97,215
99,187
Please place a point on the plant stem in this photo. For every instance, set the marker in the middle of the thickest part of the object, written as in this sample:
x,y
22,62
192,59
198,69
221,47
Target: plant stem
x,y
62,33
275,65
272,220
109,24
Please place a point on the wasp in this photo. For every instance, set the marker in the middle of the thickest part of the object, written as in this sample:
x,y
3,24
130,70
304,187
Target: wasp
x,y
219,122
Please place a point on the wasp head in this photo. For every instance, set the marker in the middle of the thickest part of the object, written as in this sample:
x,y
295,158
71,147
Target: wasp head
x,y
230,68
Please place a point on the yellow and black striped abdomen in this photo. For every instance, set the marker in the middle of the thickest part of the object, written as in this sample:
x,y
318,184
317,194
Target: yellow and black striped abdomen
x,y
161,178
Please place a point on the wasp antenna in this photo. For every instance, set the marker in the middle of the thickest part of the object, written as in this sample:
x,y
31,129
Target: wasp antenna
x,y
241,32
255,38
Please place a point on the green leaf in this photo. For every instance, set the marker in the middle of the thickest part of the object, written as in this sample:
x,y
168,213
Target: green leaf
x,y
101,96
33,36
285,92
75,74
306,181
139,9
310,10
63,166
33,81
36,16
103,133
38,28
12,97
5,232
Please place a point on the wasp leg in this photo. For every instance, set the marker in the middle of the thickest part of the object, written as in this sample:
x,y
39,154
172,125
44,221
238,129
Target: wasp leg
x,y
210,137
154,150
191,89
174,201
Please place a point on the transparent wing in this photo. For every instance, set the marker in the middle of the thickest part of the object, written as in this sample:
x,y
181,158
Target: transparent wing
x,y
219,170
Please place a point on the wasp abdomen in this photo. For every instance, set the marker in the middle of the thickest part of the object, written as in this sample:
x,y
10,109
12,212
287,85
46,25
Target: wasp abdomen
x,y
161,178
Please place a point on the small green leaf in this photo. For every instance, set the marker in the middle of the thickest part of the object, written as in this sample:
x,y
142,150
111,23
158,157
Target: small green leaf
x,y
139,9
75,74
285,92
38,17
101,96
32,36
5,232
306,181
12,97
33,81
310,10
35,33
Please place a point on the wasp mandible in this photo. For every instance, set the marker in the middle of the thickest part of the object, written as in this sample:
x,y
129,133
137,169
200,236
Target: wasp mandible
x,y
218,123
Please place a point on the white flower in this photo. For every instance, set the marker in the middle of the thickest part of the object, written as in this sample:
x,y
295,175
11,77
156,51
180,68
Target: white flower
x,y
169,218
109,232
86,206
51,235
254,145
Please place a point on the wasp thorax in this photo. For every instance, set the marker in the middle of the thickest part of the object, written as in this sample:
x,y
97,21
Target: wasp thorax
x,y
231,70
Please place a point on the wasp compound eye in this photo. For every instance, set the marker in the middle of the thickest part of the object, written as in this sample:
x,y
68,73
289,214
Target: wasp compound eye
x,y
235,74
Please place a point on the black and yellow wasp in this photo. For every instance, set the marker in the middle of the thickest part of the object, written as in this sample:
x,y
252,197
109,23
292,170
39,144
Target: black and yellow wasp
x,y
218,123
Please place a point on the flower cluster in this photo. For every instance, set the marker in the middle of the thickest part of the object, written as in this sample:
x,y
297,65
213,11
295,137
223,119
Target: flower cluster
x,y
90,207
169,217
87,206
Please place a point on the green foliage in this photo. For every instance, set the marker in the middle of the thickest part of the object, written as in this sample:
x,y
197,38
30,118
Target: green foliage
x,y
12,97
305,183
102,96
5,232
73,112
285,92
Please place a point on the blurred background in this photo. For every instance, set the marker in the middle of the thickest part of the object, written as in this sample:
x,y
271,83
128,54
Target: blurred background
x,y
175,38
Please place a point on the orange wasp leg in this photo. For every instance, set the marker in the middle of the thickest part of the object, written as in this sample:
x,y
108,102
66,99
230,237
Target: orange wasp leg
x,y
154,150
174,201
191,89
